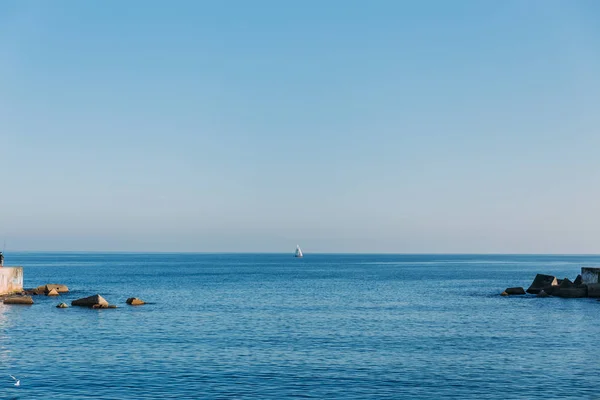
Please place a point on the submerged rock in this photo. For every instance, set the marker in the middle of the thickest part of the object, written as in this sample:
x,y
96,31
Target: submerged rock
x,y
95,301
62,305
26,300
134,301
542,282
53,292
503,294
104,306
514,291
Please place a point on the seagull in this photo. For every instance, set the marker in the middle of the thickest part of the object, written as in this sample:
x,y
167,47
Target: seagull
x,y
17,381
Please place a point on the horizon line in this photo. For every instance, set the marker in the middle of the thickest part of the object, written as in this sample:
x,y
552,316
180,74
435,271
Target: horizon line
x,y
281,253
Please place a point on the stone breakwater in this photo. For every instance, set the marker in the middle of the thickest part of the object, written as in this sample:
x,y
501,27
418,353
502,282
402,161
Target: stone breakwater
x,y
586,284
24,297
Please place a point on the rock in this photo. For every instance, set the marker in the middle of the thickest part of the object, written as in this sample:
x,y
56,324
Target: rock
x,y
27,300
48,287
542,293
541,282
59,288
53,292
572,292
593,290
550,290
578,280
62,305
566,284
134,301
104,306
95,301
503,294
39,290
514,290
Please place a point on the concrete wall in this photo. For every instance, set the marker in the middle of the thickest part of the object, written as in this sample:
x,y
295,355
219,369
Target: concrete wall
x,y
590,275
11,279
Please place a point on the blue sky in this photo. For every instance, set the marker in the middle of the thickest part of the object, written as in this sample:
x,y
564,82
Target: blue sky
x,y
342,126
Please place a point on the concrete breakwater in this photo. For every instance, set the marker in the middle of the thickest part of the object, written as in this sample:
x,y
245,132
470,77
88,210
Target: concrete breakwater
x,y
11,280
587,284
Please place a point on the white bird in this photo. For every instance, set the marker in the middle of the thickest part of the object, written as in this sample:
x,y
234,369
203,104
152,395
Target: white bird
x,y
17,381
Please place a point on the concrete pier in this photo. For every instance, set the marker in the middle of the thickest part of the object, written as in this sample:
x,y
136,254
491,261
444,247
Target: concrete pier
x,y
590,275
11,279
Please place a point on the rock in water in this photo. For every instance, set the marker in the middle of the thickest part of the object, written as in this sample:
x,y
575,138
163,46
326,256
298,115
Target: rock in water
x,y
568,289
53,292
44,289
95,301
541,282
515,290
134,301
578,280
503,294
62,305
26,300
59,288
542,293
593,290
566,284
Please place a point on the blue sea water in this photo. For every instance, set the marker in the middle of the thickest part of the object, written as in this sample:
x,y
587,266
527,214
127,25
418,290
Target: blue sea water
x,y
269,326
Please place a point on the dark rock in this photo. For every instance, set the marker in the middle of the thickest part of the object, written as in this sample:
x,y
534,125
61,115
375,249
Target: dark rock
x,y
566,284
95,301
551,289
134,301
515,290
572,292
541,282
26,300
112,306
542,293
62,305
578,280
594,290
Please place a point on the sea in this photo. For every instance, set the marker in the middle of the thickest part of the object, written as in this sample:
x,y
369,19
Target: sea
x,y
326,326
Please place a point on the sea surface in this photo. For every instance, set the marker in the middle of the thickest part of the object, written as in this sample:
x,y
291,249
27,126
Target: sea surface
x,y
269,326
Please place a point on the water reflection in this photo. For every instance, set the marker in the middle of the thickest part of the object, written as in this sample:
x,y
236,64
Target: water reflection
x,y
5,324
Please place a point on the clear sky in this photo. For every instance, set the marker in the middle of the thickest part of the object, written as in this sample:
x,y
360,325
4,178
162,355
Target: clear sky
x,y
340,125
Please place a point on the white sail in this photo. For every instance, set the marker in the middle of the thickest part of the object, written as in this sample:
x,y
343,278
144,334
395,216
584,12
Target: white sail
x,y
298,252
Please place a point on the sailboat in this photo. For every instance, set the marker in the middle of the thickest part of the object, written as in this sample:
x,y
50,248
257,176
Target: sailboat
x,y
298,252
